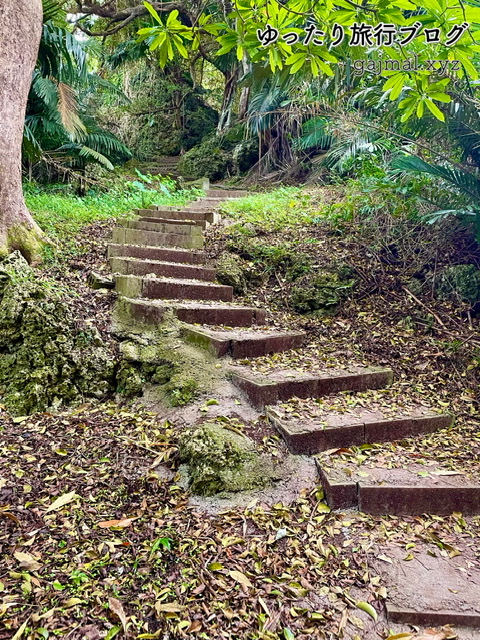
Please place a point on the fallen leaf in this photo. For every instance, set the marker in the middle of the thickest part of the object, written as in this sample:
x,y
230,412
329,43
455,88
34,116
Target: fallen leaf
x,y
365,606
117,608
61,501
27,561
241,578
169,607
125,522
21,630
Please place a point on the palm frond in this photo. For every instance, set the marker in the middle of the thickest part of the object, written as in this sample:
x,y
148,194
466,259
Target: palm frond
x,y
466,183
68,110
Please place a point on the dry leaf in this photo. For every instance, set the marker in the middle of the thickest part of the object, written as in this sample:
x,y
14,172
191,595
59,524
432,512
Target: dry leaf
x,y
61,501
126,522
169,607
117,608
27,561
240,577
433,634
21,630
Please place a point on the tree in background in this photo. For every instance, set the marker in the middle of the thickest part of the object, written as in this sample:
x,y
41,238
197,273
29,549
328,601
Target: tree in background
x,y
20,32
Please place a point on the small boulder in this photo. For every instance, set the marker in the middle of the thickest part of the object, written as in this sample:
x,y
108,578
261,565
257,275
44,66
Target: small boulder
x,y
222,460
98,281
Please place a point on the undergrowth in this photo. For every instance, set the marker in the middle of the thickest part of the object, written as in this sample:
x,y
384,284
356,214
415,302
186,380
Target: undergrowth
x,y
284,207
61,213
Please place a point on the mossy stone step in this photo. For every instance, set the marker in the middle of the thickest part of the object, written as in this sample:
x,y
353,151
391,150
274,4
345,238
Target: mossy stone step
x,y
305,435
279,386
151,312
184,256
201,224
226,194
138,267
187,212
169,227
243,344
122,235
171,289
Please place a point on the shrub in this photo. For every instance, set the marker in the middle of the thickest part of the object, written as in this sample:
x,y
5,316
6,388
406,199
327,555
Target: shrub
x,y
459,282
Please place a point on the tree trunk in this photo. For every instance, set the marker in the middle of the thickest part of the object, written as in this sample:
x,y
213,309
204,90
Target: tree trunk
x,y
231,80
20,32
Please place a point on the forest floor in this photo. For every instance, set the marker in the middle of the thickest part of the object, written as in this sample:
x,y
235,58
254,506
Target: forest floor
x,y
96,545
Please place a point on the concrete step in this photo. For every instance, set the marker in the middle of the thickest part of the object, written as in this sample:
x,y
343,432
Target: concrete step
x,y
405,491
171,289
138,267
449,592
151,312
201,224
283,384
122,235
225,194
168,227
183,213
156,253
243,344
307,433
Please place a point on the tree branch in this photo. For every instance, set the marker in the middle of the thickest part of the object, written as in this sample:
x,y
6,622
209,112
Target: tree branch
x,y
118,19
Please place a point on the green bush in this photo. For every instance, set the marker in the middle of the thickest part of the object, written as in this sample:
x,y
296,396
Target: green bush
x,y
459,282
207,160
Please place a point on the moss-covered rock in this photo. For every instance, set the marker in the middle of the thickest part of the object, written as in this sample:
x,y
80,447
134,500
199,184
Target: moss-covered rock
x,y
221,460
159,357
320,293
47,356
233,271
208,160
459,282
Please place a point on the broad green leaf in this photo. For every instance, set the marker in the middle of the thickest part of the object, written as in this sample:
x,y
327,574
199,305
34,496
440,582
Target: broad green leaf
x,y
152,12
435,110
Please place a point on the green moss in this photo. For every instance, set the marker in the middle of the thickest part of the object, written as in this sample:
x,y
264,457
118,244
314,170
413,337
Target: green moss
x,y
208,160
47,358
29,241
222,460
321,293
160,358
282,258
233,271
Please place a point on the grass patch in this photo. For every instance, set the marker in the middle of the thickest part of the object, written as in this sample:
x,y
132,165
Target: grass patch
x,y
283,207
61,213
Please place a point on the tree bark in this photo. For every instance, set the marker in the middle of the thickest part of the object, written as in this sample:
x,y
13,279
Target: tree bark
x,y
229,90
20,33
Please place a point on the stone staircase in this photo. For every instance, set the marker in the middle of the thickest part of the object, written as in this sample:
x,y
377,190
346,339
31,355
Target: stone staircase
x,y
159,265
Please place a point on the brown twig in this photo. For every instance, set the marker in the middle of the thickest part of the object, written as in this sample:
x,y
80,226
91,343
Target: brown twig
x,y
422,304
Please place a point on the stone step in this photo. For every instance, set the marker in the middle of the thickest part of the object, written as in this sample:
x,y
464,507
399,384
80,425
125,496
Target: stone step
x,y
450,587
309,434
405,491
281,385
156,253
171,289
122,235
225,194
138,267
151,312
201,224
204,205
184,213
243,344
168,227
